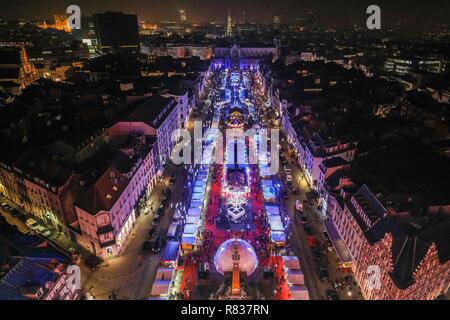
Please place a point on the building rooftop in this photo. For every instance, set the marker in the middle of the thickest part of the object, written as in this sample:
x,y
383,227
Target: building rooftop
x,y
103,194
28,275
152,110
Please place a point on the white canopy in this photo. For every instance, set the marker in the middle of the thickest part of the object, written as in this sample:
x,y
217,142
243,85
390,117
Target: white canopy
x,y
299,293
188,239
164,273
196,204
194,212
275,223
272,210
291,262
192,220
190,229
197,196
277,236
295,277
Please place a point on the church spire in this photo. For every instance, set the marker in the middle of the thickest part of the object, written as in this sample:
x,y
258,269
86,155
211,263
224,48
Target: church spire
x,y
229,30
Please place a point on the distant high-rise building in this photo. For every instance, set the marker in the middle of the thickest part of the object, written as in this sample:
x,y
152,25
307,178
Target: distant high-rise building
x,y
276,22
229,30
244,17
183,17
117,32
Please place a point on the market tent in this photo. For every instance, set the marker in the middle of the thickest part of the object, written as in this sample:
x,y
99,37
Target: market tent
x,y
187,239
171,252
299,292
199,190
197,196
291,262
278,236
196,204
267,183
190,229
295,277
194,212
200,184
272,210
160,287
202,176
269,193
192,220
275,223
164,273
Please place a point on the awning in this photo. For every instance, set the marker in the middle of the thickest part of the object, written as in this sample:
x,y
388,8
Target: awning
x,y
338,244
171,251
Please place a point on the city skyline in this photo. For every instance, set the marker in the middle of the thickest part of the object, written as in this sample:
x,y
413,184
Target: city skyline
x,y
280,160
341,12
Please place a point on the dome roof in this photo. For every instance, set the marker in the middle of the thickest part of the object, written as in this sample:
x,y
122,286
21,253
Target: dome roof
x,y
223,260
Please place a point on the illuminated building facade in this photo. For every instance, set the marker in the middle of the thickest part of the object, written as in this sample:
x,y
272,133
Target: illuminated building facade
x,y
15,66
41,188
107,211
409,250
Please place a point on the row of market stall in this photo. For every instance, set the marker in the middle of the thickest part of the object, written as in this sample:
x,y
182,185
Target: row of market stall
x,y
295,278
169,276
166,275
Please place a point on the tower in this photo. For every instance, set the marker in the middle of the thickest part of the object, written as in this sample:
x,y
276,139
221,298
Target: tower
x,y
276,22
183,18
244,17
229,30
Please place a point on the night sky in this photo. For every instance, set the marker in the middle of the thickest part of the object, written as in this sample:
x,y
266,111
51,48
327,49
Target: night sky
x,y
332,11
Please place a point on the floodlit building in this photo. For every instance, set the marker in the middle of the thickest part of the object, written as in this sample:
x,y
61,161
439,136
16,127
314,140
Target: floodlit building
x,y
107,211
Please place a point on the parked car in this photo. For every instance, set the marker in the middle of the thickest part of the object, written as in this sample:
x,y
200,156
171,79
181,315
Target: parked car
x,y
32,224
308,230
157,245
146,246
43,231
324,275
304,221
151,233
332,295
